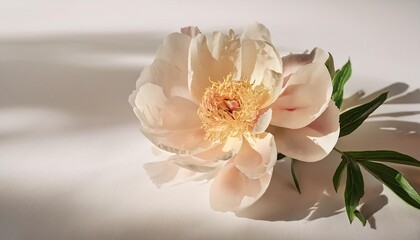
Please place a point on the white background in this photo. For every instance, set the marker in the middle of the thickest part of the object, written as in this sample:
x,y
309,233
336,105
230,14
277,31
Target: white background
x,y
71,156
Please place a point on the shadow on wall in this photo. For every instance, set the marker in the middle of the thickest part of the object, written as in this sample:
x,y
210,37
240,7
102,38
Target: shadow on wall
x,y
282,202
87,78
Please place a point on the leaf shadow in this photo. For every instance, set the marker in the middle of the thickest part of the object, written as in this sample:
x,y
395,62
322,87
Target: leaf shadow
x,y
396,95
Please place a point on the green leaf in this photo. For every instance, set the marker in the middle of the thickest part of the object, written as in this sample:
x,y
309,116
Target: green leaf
x,y
384,156
295,179
395,181
338,173
330,65
354,188
340,78
360,217
350,120
280,156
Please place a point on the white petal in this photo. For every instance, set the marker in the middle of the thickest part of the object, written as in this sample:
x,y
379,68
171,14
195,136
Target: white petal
x,y
258,53
212,58
232,144
215,153
174,50
304,98
273,81
187,141
257,155
313,142
256,31
231,190
166,75
263,122
150,100
293,62
180,169
171,123
257,56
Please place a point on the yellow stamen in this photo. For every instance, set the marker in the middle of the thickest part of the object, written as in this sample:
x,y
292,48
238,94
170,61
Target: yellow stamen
x,y
229,109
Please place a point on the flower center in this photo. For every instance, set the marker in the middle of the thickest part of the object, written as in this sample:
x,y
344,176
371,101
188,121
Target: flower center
x,y
228,109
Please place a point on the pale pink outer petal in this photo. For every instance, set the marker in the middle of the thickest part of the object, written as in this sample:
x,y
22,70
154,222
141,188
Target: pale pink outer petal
x,y
179,169
231,190
212,57
313,142
304,98
258,54
258,154
246,176
293,62
191,31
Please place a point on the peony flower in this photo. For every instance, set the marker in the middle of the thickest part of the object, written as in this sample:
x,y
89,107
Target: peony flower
x,y
209,100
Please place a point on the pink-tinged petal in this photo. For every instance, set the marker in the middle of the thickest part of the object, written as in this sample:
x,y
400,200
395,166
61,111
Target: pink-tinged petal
x,y
304,98
191,31
293,62
263,122
212,58
313,142
257,155
231,190
179,169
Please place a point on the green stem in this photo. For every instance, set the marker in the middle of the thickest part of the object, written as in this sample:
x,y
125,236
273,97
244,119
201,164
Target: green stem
x,y
337,150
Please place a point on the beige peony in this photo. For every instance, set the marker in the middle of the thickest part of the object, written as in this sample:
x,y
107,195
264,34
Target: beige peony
x,y
210,100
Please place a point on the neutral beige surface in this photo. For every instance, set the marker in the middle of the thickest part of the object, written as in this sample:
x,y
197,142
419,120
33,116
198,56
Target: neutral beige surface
x,y
71,155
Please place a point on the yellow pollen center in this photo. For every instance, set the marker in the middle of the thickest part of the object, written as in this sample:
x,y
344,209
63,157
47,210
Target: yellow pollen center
x,y
228,109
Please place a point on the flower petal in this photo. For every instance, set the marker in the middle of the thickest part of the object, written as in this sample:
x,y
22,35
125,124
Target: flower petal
x,y
257,155
179,169
215,153
170,123
313,142
231,190
263,122
174,50
191,31
293,62
304,98
212,58
258,53
256,31
273,81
